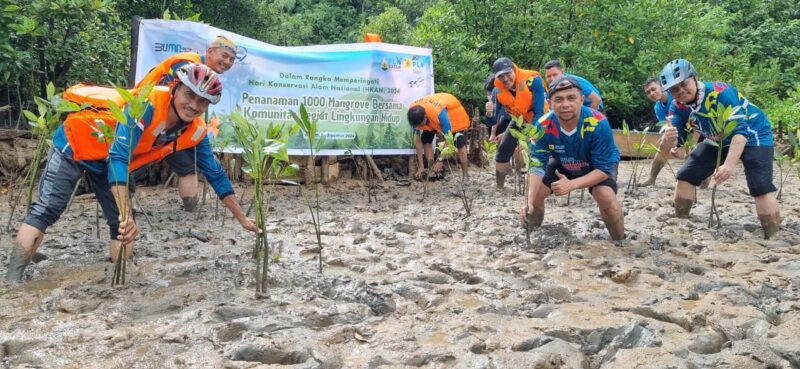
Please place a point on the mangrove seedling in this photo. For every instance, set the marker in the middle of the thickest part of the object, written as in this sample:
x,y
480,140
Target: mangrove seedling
x,y
42,127
490,148
448,150
782,160
366,173
526,135
308,127
136,105
264,151
723,123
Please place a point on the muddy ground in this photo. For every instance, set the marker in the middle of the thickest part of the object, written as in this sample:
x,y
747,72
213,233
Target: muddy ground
x,y
408,283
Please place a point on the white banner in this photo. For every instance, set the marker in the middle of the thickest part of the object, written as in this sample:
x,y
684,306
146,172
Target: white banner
x,y
359,93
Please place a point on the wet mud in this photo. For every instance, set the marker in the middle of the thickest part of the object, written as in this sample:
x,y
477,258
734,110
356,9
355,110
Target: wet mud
x,y
409,283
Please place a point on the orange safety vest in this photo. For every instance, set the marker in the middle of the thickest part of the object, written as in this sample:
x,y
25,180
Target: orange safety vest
x,y
158,72
81,127
433,105
522,103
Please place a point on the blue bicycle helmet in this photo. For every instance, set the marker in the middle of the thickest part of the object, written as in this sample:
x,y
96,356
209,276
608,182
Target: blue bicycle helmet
x,y
676,72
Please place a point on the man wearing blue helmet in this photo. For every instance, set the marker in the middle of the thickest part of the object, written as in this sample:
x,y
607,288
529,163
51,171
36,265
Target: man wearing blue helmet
x,y
750,141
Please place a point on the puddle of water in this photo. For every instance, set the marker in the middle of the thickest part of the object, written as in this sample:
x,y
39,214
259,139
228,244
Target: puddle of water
x,y
470,302
438,338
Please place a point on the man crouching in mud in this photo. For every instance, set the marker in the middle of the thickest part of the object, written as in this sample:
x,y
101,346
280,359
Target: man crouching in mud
x,y
750,141
577,151
171,122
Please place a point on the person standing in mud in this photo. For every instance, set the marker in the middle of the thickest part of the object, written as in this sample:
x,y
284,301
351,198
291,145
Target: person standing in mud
x,y
591,94
662,101
577,151
76,150
220,56
498,119
520,92
440,114
751,141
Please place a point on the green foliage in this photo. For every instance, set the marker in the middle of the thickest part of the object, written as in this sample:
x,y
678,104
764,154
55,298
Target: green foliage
x,y
616,45
391,25
42,126
525,135
786,112
447,149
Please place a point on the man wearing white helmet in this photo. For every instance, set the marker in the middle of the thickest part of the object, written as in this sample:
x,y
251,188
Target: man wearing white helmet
x,y
170,123
750,141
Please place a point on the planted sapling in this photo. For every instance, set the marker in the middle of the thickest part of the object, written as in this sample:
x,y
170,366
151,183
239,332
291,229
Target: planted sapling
x,y
136,106
308,128
526,135
723,123
264,151
447,150
43,126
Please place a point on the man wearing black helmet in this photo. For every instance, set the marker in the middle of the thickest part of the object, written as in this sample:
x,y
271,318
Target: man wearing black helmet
x,y
750,141
521,93
577,151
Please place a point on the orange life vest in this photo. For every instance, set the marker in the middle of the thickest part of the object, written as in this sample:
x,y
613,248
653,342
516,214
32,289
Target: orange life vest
x,y
158,72
522,103
433,105
82,131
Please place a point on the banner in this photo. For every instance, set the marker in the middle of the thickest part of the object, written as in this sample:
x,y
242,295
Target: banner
x,y
359,93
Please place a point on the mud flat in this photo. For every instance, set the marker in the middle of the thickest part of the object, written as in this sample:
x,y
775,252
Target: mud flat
x,y
408,283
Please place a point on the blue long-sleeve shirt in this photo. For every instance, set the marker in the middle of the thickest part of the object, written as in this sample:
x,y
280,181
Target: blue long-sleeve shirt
x,y
590,146
587,88
753,123
662,109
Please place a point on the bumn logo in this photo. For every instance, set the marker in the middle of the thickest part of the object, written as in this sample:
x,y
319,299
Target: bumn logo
x,y
163,47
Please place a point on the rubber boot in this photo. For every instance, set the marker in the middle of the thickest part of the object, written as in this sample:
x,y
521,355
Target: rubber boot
x,y
654,170
683,207
17,263
771,223
190,203
501,171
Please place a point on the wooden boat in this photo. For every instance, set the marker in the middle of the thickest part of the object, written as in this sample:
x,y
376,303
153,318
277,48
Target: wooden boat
x,y
627,150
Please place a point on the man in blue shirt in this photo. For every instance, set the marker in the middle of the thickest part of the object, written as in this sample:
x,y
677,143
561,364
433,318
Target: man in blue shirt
x,y
662,101
577,151
750,140
592,96
171,120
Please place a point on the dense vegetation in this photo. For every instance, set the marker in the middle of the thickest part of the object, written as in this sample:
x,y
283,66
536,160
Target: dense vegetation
x,y
616,44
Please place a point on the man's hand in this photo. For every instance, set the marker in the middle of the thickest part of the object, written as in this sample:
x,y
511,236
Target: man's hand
x,y
494,138
723,173
489,108
438,167
562,186
419,173
127,230
250,225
